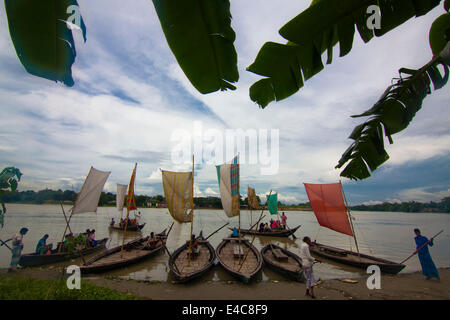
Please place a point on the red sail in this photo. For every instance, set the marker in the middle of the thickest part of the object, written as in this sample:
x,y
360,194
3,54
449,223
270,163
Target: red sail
x,y
131,204
327,202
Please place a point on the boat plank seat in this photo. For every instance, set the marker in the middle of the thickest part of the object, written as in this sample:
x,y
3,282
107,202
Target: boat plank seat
x,y
238,251
279,255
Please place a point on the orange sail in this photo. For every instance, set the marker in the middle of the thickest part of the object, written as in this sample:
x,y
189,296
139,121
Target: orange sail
x,y
327,202
131,204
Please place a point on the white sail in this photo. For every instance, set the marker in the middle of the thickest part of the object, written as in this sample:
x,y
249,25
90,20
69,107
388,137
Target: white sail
x,y
87,200
120,196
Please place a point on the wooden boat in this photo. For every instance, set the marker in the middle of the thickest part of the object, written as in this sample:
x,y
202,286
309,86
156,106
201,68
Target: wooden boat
x,y
354,259
35,259
184,269
86,201
283,261
227,253
272,233
330,207
134,227
133,252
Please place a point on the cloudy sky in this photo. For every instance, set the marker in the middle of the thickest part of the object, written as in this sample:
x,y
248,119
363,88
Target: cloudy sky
x,y
132,103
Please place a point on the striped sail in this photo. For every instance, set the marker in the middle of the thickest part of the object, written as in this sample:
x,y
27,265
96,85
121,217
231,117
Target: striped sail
x,y
178,190
131,203
228,176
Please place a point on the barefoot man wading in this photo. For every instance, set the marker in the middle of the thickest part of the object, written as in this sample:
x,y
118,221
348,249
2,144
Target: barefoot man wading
x,y
307,263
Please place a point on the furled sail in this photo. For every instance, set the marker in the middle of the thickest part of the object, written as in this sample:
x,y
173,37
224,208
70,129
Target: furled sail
x,y
87,200
327,202
120,196
131,203
228,176
179,193
253,202
272,203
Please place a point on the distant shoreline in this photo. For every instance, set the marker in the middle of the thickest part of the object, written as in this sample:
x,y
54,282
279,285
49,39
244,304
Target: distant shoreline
x,y
243,208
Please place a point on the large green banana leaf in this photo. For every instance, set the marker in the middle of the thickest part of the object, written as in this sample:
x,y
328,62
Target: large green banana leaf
x,y
41,37
392,112
200,36
317,29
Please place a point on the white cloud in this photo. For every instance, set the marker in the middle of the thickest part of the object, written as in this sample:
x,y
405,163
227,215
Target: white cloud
x,y
66,130
421,195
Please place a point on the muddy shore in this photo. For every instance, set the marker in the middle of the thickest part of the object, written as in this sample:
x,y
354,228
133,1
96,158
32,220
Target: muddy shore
x,y
408,286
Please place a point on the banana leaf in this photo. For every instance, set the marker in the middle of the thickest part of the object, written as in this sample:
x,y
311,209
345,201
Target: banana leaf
x,y
41,37
200,36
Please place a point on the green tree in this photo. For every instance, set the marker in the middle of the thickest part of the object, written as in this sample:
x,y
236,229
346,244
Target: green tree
x,y
9,178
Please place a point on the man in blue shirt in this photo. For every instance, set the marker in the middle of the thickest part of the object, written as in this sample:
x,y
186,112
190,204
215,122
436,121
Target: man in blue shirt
x,y
428,268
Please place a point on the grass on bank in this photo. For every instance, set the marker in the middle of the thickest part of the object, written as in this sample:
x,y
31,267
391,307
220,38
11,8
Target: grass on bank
x,y
14,288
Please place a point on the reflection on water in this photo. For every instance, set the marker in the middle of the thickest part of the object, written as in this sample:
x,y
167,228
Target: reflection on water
x,y
383,234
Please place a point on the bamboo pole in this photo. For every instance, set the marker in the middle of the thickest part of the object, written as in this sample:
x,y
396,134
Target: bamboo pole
x,y
128,213
350,218
192,214
65,217
65,230
431,239
254,236
217,230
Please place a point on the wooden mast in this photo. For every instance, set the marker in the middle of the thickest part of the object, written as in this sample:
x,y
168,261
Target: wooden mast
x,y
239,228
192,214
128,212
249,206
350,218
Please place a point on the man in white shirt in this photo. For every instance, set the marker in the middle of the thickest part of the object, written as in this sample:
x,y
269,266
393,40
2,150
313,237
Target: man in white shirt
x,y
307,263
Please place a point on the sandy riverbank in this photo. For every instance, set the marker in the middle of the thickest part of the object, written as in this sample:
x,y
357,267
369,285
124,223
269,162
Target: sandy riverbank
x,y
412,286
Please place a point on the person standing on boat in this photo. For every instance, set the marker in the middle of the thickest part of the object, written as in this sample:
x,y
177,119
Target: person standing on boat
x,y
428,268
307,264
17,247
283,220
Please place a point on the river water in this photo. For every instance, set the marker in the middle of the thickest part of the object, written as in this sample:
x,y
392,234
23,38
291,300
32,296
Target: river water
x,y
386,235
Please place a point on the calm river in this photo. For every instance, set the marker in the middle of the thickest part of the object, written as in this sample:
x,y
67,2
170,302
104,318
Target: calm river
x,y
383,234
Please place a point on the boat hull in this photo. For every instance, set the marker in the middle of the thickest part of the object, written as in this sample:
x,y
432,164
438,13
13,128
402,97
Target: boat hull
x,y
253,262
177,262
354,259
276,233
292,268
138,227
34,260
110,259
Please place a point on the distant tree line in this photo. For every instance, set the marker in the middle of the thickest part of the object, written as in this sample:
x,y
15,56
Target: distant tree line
x,y
412,206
